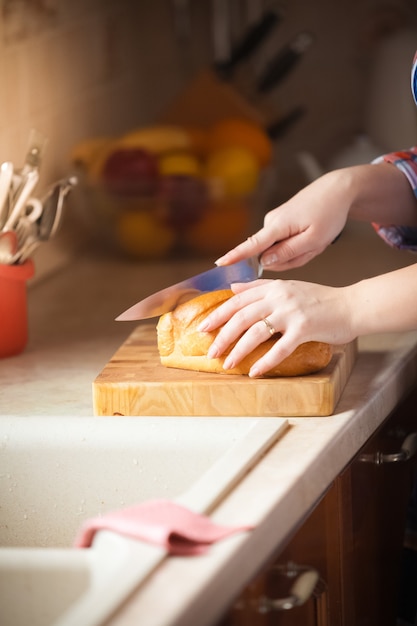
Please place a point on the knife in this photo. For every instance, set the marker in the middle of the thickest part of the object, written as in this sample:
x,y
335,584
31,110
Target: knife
x,y
286,59
212,280
252,39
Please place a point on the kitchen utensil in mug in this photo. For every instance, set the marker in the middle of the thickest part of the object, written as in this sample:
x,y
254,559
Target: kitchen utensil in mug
x,y
50,217
33,158
6,175
33,210
8,246
53,204
19,204
27,228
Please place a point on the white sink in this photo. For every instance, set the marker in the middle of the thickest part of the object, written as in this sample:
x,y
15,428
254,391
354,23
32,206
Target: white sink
x,y
57,472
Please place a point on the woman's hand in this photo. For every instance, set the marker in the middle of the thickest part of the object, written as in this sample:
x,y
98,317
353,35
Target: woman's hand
x,y
298,310
300,229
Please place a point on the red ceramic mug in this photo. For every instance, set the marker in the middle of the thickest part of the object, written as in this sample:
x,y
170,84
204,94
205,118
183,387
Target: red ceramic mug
x,y
13,307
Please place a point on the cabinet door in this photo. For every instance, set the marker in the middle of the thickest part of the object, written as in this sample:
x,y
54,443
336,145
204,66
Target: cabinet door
x,y
314,546
374,493
354,538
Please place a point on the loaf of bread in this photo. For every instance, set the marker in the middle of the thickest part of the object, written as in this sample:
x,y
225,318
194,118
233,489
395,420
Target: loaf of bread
x,y
182,346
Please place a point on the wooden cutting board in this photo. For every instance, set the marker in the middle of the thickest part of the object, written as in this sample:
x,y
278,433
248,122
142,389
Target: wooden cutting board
x,y
135,383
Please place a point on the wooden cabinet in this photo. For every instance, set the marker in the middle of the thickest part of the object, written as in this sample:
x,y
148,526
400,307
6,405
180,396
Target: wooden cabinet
x,y
375,491
353,538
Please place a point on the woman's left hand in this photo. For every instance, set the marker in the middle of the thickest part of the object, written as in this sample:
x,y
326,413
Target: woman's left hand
x,y
300,311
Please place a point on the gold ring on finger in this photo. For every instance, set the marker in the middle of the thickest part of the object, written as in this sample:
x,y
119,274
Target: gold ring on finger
x,y
269,326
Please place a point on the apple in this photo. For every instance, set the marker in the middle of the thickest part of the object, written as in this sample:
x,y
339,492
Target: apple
x,y
131,171
184,199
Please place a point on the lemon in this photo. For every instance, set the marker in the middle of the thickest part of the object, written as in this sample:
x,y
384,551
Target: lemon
x,y
179,164
141,236
234,170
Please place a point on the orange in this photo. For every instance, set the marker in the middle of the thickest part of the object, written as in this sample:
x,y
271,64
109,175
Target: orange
x,y
232,172
243,133
225,224
141,236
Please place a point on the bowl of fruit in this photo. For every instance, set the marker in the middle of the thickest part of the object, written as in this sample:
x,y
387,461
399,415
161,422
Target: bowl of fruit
x,y
166,190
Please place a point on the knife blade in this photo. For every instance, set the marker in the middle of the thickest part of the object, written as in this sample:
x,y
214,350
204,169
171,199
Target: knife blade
x,y
217,278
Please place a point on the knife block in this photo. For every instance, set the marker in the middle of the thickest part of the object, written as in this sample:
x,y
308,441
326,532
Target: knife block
x,y
208,99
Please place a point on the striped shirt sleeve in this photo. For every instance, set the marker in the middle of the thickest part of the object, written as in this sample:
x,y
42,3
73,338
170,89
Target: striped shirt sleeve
x,y
402,237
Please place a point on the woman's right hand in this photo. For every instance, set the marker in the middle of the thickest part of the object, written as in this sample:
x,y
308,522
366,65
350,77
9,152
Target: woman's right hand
x,y
301,228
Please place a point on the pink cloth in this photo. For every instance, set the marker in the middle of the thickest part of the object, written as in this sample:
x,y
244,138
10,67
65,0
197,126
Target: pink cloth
x,y
162,522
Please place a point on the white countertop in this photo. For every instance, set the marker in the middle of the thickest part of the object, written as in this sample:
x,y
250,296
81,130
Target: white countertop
x,y
73,335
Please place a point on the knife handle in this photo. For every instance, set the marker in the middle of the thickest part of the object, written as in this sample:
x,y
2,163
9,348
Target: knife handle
x,y
250,42
284,61
280,127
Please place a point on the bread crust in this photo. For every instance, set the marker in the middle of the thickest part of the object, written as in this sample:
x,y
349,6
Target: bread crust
x,y
182,346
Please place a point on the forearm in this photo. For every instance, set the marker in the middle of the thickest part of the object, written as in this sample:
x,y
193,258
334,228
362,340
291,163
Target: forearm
x,y
385,303
380,193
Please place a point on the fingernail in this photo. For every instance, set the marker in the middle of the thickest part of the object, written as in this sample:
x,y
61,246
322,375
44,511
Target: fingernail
x,y
222,259
202,326
269,259
213,351
254,372
228,364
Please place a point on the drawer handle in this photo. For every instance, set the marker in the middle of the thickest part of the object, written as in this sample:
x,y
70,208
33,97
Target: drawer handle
x,y
407,451
300,591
